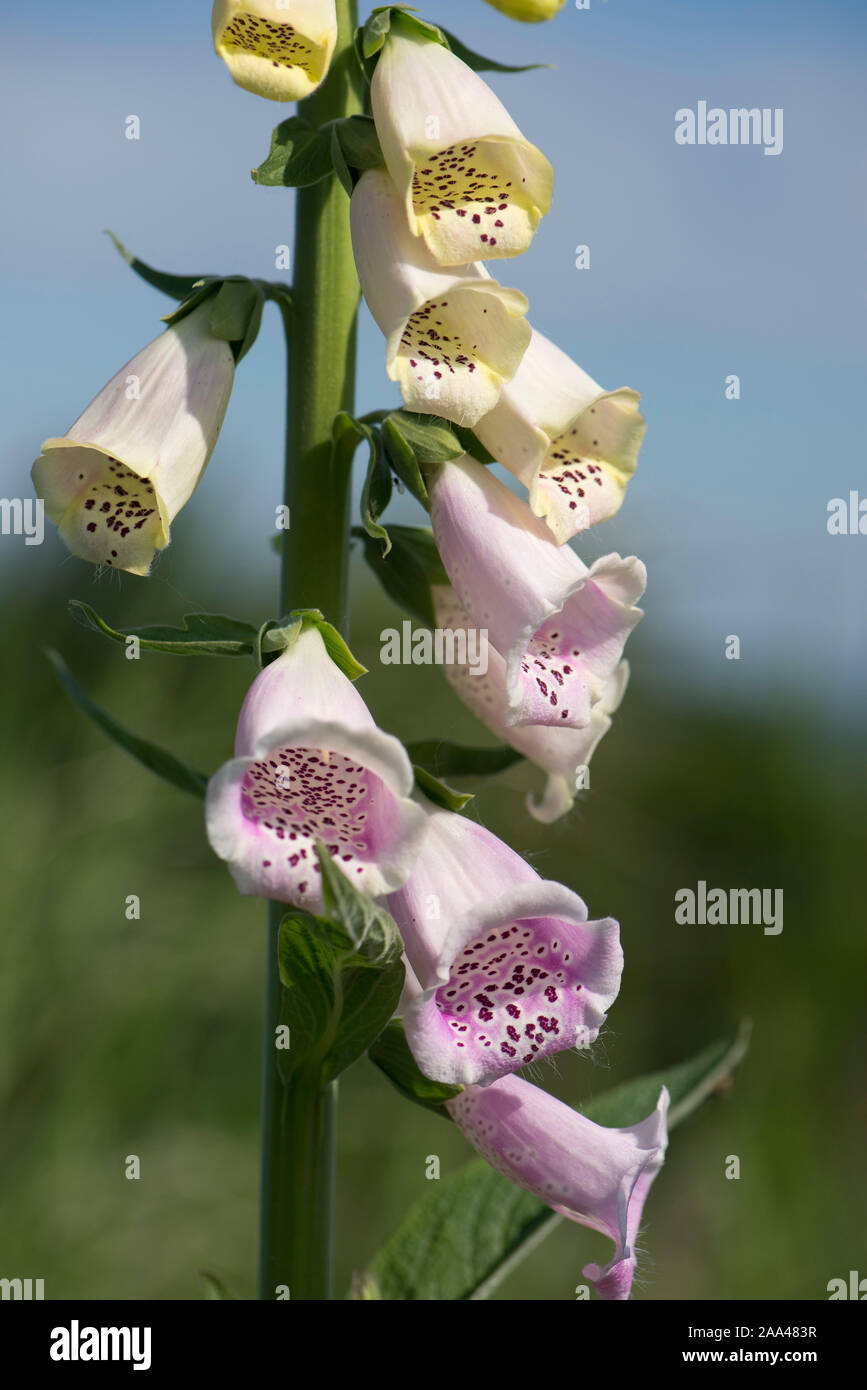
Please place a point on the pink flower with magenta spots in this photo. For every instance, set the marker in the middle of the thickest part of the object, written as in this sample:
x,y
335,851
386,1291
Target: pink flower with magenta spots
x,y
595,1176
559,626
311,764
508,968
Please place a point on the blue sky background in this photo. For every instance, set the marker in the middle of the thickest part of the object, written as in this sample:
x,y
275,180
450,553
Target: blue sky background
x,y
704,261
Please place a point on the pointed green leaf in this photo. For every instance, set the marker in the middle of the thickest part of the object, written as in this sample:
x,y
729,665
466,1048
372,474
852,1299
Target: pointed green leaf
x,y
410,568
342,976
474,1226
440,794
376,491
479,63
178,286
444,759
201,634
155,759
391,1054
299,156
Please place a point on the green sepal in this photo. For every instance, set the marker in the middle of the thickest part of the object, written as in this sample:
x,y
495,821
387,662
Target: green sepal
x,y
273,637
474,1226
200,634
479,63
178,286
438,792
300,155
473,445
410,568
155,759
367,927
415,442
371,35
443,759
277,634
354,148
236,311
391,1054
334,644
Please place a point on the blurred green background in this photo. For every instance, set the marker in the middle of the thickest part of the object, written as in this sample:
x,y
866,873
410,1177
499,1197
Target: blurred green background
x,y
143,1037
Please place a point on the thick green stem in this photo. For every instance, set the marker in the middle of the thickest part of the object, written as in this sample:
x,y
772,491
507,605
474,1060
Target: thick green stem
x,y
299,1119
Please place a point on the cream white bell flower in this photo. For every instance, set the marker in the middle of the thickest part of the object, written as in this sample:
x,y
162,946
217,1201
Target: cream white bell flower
x,y
277,50
116,481
453,336
572,444
473,187
562,753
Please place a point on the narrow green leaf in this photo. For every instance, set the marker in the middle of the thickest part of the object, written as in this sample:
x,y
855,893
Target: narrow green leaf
x,y
410,568
391,1054
299,156
155,759
178,286
201,634
444,759
479,63
376,490
474,1226
437,791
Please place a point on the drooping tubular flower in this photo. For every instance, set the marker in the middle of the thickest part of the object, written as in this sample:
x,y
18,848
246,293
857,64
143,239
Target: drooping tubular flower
x,y
472,186
559,626
453,337
563,753
119,477
508,968
573,445
596,1176
311,764
277,50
